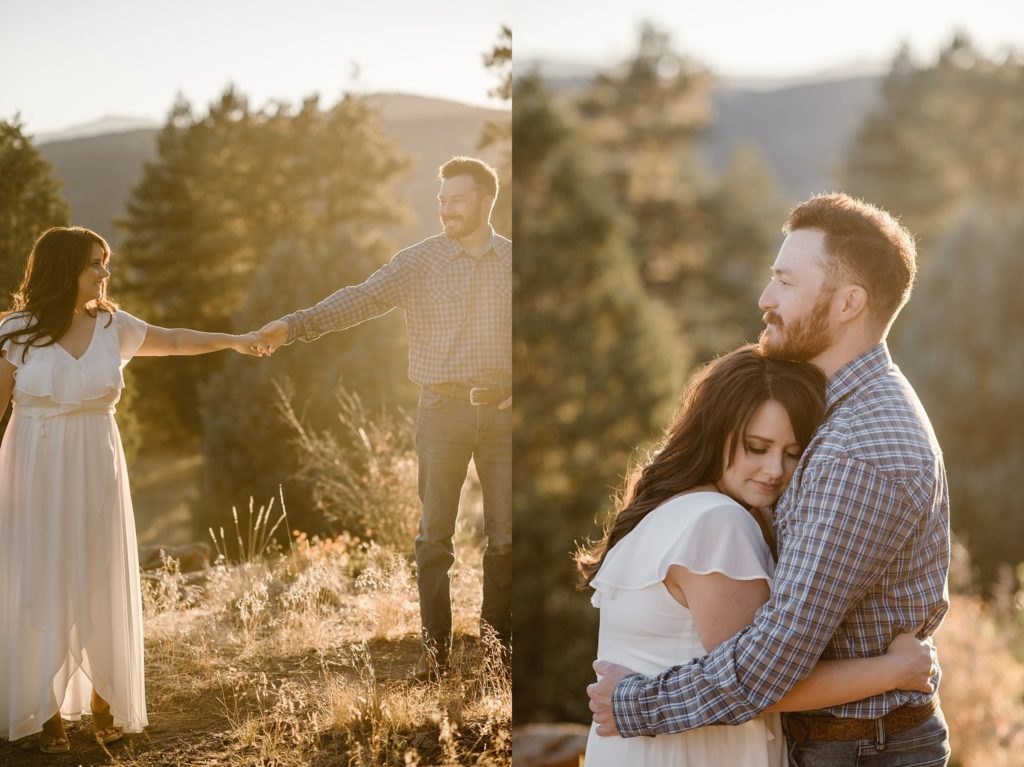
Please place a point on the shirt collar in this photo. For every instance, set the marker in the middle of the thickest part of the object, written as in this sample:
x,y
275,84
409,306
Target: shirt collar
x,y
453,249
856,373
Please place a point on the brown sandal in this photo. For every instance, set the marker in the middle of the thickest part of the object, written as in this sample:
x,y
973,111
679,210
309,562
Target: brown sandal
x,y
103,722
53,739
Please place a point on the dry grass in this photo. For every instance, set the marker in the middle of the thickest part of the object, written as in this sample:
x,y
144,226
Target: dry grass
x,y
300,656
381,722
981,649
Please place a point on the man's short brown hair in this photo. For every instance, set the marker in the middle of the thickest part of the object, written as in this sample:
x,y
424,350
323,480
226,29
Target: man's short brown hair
x,y
866,246
483,175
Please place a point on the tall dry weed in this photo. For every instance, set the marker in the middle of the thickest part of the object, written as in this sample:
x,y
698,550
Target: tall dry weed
x,y
365,480
253,537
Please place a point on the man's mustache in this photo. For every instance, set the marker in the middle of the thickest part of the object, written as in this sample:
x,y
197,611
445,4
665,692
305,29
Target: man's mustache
x,y
771,318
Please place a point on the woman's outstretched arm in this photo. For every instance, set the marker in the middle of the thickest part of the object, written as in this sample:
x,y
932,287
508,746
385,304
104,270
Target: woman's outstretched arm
x,y
167,342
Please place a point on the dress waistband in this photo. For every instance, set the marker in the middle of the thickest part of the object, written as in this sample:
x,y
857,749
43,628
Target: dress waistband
x,y
45,413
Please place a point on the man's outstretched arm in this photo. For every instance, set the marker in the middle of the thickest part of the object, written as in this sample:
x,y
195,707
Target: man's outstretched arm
x,y
381,292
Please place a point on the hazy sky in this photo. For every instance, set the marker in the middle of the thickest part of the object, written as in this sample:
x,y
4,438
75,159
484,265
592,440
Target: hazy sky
x,y
64,62
744,38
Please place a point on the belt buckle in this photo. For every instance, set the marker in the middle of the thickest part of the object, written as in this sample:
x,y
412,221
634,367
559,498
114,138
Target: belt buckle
x,y
472,395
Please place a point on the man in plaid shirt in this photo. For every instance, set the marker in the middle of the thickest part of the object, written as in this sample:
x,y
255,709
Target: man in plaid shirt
x,y
862,529
456,291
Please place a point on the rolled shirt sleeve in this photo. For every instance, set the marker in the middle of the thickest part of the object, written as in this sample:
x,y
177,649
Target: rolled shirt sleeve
x,y
384,290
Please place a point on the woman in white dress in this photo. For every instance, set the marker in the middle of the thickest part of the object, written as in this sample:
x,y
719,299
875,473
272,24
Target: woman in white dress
x,y
70,606
687,559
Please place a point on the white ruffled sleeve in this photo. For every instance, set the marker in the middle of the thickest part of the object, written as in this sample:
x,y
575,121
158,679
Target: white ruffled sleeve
x,y
131,332
703,532
11,350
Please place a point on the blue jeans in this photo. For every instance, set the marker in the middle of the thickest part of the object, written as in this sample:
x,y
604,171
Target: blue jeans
x,y
926,745
448,433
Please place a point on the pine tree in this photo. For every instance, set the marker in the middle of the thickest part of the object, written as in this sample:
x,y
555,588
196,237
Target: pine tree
x,y
745,211
701,243
960,344
647,117
225,188
940,134
184,254
595,373
30,203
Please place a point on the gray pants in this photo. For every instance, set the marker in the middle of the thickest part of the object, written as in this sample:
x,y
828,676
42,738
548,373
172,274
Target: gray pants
x,y
448,433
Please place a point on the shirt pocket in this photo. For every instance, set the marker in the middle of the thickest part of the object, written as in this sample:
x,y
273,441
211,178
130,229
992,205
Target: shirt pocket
x,y
445,304
493,306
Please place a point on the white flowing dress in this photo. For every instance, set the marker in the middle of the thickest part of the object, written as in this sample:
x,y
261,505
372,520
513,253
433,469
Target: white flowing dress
x,y
70,605
644,628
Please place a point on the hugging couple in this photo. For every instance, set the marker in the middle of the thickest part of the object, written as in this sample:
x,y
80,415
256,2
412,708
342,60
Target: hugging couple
x,y
777,563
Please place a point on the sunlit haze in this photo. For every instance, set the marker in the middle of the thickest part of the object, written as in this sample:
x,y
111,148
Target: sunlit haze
x,y
741,39
64,63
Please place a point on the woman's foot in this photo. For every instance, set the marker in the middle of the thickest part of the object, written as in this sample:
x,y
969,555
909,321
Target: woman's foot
x,y
102,722
53,739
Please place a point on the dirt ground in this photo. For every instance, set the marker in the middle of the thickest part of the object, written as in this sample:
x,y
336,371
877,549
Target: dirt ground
x,y
199,731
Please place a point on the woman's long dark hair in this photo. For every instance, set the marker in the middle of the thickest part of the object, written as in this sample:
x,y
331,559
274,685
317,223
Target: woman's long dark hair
x,y
50,286
714,412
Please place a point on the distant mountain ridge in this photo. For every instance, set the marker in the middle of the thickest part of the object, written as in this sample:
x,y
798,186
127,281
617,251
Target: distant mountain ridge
x,y
102,126
560,71
803,131
99,170
800,126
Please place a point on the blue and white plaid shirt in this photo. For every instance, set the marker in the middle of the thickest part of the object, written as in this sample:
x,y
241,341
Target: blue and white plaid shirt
x,y
458,310
863,533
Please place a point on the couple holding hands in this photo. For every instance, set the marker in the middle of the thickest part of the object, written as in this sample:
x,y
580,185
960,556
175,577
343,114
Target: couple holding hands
x,y
71,636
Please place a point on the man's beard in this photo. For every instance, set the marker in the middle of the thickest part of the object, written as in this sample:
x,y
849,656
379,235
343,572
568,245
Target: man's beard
x,y
804,338
463,228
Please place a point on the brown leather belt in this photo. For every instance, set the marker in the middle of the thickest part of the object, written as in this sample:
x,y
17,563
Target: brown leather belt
x,y
475,395
802,728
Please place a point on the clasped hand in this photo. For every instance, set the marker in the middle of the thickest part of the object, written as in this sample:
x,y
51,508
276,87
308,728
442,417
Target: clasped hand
x,y
265,341
916,661
600,692
247,343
